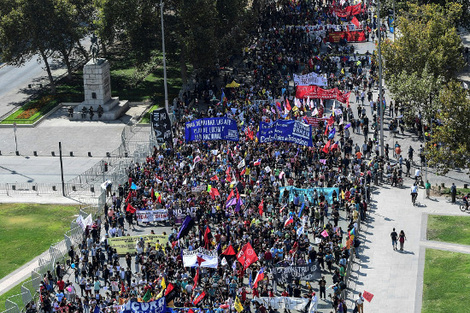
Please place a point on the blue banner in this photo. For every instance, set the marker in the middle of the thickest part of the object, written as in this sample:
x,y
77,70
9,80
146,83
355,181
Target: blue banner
x,y
157,306
218,128
286,130
308,193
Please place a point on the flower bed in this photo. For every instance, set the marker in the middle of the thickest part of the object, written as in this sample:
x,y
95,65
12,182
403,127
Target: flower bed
x,y
32,111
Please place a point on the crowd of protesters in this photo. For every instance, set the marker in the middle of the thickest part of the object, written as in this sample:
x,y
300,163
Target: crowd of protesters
x,y
167,178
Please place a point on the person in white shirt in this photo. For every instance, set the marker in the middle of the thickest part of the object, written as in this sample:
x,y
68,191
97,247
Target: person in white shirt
x,y
414,192
360,303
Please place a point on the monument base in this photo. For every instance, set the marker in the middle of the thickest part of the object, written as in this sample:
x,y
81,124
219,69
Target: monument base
x,y
112,110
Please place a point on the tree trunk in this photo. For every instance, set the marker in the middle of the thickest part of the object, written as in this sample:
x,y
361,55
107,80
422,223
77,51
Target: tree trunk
x,y
66,58
48,69
104,52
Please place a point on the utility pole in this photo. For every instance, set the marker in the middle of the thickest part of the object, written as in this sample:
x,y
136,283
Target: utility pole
x,y
394,21
382,148
61,168
164,58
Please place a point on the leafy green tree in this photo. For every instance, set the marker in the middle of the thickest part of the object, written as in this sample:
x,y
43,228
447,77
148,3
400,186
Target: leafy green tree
x,y
450,141
428,39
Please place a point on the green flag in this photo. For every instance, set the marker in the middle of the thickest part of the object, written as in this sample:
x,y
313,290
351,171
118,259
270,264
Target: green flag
x,y
147,296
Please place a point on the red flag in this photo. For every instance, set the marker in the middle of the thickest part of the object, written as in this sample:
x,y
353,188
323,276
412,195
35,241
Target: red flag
x,y
288,107
355,21
331,120
229,251
230,195
128,197
214,178
247,256
326,148
367,295
260,207
152,194
196,278
243,172
207,237
123,289
215,192
199,298
168,289
238,194
130,208
227,172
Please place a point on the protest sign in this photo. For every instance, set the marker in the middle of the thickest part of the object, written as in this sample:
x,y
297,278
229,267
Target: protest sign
x,y
152,216
157,306
287,274
308,193
161,125
218,128
127,243
286,303
310,79
315,92
200,257
286,130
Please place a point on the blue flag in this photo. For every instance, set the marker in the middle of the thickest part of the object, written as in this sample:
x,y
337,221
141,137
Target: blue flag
x,y
301,209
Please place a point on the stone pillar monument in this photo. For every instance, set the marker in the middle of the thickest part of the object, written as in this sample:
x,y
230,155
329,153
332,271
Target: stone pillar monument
x,y
97,86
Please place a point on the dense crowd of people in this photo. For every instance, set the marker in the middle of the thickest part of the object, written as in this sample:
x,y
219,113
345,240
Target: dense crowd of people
x,y
283,228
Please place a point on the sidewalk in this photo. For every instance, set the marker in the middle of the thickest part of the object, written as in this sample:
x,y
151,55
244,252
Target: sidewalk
x,y
393,277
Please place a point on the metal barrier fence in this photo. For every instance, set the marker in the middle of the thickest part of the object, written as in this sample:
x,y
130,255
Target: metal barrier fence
x,y
134,148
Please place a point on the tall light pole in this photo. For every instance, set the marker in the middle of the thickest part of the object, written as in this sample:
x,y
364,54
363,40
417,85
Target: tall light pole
x,y
164,58
382,148
394,21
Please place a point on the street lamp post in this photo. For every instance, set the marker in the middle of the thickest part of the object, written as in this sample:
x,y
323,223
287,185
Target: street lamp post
x,y
164,58
382,148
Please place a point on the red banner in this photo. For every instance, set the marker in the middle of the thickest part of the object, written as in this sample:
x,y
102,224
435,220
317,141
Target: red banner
x,y
350,36
316,92
348,11
314,121
247,256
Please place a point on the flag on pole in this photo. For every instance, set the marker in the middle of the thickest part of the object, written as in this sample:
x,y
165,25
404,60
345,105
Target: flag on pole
x,y
237,305
367,295
199,298
301,209
260,207
290,220
259,277
257,163
130,209
247,256
229,251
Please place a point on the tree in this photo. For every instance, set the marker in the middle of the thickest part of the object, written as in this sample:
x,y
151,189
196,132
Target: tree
x,y
41,27
450,141
428,39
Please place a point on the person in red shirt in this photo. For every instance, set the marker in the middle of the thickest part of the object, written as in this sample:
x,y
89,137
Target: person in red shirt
x,y
255,293
61,285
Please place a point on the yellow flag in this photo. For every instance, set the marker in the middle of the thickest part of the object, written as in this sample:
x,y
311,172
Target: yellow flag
x,y
163,284
238,306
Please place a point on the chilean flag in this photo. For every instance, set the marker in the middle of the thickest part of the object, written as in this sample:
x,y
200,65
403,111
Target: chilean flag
x,y
257,163
290,220
259,277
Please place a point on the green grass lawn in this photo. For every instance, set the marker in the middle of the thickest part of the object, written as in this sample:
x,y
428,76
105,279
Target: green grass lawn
x,y
14,291
455,229
27,230
446,282
146,118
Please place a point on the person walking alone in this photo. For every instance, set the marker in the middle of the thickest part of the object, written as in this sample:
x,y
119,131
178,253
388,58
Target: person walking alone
x,y
394,237
402,239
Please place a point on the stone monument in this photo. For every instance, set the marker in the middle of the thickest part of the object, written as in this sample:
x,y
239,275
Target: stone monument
x,y
97,86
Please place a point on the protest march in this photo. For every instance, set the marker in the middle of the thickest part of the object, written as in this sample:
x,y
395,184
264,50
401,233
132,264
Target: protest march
x,y
258,187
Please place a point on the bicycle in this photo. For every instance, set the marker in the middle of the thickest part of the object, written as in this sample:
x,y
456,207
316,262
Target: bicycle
x,y
464,207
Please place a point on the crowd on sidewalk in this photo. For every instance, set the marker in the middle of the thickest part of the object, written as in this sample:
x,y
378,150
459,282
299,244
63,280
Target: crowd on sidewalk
x,y
262,205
